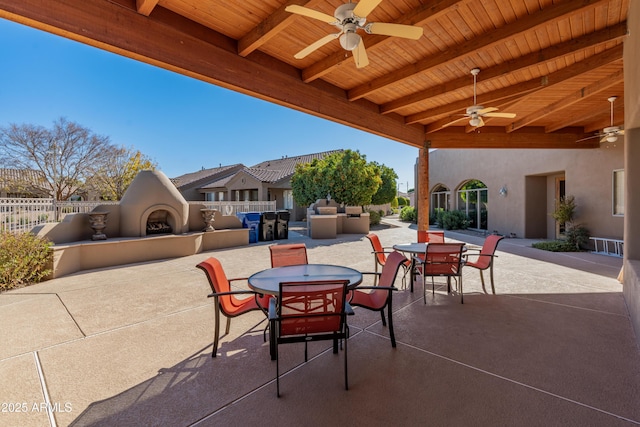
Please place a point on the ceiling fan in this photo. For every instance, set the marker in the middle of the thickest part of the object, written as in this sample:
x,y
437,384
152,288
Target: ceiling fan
x,y
608,134
476,112
349,18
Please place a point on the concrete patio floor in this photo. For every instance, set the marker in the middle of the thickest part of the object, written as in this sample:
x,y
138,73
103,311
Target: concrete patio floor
x,y
131,345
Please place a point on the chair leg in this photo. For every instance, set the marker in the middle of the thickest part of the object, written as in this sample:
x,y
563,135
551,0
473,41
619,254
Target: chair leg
x,y
493,289
384,321
346,372
216,335
391,334
226,331
461,295
277,372
482,280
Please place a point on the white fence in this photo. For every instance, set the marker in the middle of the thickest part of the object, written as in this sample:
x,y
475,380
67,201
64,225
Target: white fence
x,y
232,208
21,215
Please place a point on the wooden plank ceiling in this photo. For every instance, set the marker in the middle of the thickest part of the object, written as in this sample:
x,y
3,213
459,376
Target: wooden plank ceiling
x,y
554,63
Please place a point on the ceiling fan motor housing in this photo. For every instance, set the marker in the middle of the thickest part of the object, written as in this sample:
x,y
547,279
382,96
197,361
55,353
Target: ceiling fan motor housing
x,y
344,14
474,109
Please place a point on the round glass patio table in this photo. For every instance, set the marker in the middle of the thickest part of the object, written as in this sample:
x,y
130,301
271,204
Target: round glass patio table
x,y
268,281
414,248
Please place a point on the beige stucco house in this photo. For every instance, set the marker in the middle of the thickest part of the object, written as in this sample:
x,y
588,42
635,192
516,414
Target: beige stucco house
x,y
22,183
269,180
523,186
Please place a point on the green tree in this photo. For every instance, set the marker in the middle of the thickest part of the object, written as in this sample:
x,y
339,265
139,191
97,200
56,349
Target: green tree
x,y
388,188
345,176
113,179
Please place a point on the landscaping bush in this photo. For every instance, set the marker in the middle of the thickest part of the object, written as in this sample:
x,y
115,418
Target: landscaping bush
x,y
24,259
374,217
578,236
556,246
409,214
453,220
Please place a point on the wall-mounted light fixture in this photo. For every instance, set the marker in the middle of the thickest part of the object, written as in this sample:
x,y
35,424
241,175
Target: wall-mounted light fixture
x,y
503,191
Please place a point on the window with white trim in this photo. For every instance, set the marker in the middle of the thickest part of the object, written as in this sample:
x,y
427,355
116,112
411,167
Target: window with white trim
x,y
287,196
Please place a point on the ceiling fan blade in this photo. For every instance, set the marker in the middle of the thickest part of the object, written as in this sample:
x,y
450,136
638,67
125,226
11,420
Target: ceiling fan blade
x,y
397,30
316,45
589,137
603,139
484,111
620,132
454,120
500,115
360,55
364,7
310,13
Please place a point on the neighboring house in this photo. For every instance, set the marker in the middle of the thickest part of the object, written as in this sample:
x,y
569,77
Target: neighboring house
x,y
190,184
23,183
523,186
266,181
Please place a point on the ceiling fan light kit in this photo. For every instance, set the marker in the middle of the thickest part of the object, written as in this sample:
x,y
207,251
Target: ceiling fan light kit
x,y
349,18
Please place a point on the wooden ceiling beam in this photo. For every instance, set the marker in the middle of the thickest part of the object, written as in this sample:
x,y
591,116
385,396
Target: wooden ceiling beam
x,y
268,28
145,7
544,17
496,137
169,41
419,16
545,55
589,64
580,95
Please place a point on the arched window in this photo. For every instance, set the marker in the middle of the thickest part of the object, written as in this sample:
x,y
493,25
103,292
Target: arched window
x,y
440,199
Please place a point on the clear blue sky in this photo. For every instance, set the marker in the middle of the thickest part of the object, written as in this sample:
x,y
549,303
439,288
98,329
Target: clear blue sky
x,y
181,123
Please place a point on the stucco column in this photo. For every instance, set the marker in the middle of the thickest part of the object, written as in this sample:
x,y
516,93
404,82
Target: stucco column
x,y
631,287
422,194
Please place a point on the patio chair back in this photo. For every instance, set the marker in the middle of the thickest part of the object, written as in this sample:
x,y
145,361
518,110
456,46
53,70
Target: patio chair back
x,y
380,257
225,299
310,311
484,259
289,254
378,297
443,260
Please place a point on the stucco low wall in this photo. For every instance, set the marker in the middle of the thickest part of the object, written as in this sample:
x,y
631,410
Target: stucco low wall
x,y
87,255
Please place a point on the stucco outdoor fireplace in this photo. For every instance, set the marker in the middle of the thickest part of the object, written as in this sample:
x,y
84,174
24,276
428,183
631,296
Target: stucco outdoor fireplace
x,y
153,205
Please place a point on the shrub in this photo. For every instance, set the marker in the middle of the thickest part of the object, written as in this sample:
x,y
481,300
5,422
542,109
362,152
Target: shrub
x,y
556,246
381,212
24,259
578,236
408,214
374,218
453,220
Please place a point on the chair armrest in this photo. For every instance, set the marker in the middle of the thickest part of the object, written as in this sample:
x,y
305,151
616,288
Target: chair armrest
x,y
219,294
465,256
238,278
